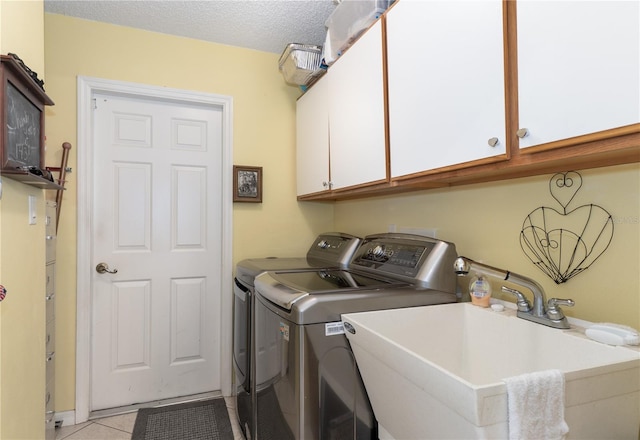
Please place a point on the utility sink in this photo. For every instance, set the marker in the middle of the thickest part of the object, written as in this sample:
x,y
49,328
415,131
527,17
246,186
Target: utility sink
x,y
437,372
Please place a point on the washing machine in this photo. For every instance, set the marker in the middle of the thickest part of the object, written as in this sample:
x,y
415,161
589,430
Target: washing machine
x,y
308,386
328,250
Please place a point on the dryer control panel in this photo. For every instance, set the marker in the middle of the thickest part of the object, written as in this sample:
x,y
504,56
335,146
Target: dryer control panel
x,y
333,249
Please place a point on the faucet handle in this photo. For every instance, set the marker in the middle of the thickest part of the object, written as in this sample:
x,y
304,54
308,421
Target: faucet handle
x,y
523,304
553,307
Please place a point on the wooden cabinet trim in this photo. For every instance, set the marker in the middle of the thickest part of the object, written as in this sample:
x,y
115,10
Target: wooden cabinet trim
x,y
385,97
511,75
620,150
601,135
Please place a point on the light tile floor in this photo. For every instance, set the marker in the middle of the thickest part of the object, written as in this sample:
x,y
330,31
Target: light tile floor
x,y
120,427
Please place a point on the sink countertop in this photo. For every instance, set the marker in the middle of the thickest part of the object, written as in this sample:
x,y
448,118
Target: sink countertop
x,y
578,326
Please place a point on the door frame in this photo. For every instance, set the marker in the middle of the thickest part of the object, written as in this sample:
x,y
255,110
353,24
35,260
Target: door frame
x,y
87,87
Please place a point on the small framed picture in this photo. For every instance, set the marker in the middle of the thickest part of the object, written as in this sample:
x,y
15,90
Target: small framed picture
x,y
247,184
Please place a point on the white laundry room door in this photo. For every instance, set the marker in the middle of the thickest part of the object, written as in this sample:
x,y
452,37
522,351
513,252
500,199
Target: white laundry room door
x,y
157,226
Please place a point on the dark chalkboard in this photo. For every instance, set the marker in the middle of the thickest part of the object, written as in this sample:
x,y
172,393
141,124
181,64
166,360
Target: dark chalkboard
x,y
23,130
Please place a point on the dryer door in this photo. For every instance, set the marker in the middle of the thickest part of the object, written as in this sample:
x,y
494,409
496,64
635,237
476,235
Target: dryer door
x,y
242,295
277,367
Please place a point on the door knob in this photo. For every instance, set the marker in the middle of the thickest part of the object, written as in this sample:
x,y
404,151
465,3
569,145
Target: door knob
x,y
104,268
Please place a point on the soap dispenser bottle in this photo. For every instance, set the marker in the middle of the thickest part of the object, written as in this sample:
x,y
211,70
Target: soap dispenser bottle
x,y
480,291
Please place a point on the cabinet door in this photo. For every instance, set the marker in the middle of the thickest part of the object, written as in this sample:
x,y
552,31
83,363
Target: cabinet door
x,y
312,139
578,67
446,83
356,113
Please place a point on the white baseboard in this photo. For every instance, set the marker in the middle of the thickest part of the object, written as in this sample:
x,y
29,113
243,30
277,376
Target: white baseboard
x,y
67,418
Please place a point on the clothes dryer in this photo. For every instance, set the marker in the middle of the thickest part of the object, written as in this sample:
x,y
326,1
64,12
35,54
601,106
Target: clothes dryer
x,y
328,250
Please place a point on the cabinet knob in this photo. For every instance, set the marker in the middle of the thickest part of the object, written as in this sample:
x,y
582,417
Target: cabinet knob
x,y
493,141
327,185
522,133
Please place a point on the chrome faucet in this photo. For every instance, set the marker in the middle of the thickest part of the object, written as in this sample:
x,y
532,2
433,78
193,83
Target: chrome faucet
x,y
542,312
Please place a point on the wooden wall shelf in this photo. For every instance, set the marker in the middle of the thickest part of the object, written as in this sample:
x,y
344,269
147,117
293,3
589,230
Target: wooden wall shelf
x,y
30,179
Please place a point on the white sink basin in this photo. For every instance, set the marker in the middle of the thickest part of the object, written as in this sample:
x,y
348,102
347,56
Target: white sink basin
x,y
437,371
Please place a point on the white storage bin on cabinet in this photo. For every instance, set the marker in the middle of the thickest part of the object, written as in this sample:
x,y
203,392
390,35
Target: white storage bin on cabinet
x,y
347,22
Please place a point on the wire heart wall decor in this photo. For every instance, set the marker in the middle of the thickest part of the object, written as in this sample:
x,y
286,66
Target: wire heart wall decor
x,y
565,243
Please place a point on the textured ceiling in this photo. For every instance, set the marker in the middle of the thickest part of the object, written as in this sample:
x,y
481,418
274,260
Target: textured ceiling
x,y
265,25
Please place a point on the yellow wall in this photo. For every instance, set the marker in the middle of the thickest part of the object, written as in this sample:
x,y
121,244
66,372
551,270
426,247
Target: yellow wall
x,y
22,32
22,315
22,259
264,135
485,220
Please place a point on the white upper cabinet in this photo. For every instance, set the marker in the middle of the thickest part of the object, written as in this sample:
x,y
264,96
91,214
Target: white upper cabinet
x,y
312,139
446,83
578,68
340,121
356,113
434,102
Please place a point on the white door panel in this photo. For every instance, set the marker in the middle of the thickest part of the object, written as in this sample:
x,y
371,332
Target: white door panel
x,y
157,220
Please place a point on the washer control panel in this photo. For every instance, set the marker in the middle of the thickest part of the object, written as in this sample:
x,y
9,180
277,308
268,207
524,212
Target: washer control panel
x,y
414,258
393,254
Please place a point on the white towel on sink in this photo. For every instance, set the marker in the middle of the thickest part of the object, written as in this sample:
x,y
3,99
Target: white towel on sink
x,y
536,406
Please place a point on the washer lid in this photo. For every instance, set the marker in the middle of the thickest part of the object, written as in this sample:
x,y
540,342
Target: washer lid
x,y
247,270
287,287
329,249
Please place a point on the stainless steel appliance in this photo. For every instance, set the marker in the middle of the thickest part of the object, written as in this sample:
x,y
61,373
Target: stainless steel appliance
x,y
307,382
330,249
